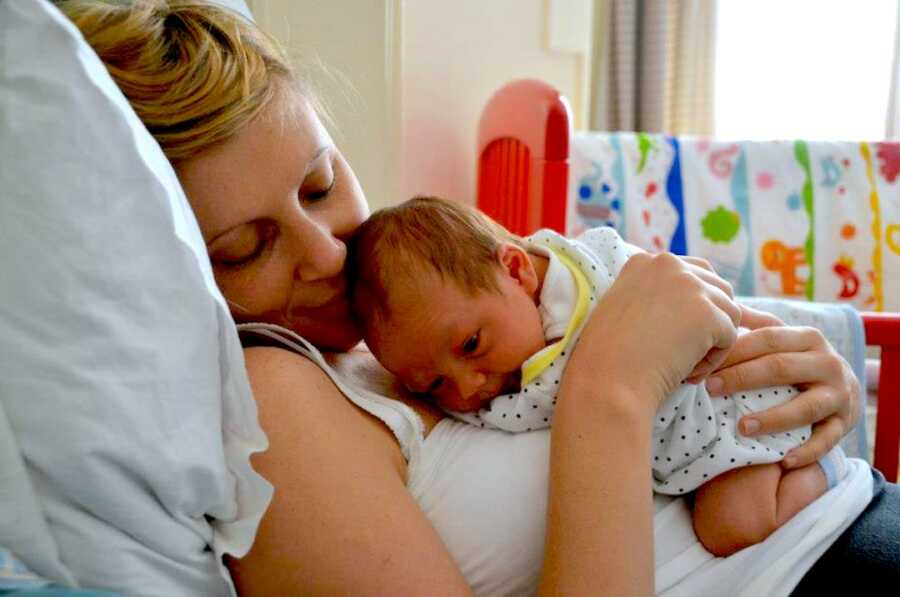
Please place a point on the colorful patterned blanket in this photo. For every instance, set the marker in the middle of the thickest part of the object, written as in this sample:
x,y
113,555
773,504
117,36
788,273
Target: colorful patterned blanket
x,y
809,220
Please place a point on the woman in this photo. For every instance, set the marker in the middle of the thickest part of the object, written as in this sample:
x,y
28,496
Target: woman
x,y
276,201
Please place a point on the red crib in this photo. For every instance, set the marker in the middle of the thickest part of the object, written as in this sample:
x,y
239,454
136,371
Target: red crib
x,y
523,171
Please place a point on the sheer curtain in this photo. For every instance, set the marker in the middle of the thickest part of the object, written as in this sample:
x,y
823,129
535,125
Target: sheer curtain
x,y
654,62
893,116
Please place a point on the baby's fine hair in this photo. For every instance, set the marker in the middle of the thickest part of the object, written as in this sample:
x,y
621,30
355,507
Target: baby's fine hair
x,y
397,244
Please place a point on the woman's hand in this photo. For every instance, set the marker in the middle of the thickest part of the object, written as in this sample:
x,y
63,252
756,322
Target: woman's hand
x,y
774,354
659,319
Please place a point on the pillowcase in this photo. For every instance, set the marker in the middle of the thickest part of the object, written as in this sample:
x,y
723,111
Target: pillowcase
x,y
121,375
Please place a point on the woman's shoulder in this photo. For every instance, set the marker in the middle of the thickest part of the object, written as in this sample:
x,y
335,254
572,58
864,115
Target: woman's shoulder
x,y
271,365
357,368
292,383
300,405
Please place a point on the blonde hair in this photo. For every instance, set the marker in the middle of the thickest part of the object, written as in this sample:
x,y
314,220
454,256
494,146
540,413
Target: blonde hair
x,y
396,244
195,73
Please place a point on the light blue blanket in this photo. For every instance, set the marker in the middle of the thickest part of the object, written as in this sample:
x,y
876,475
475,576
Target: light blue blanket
x,y
843,328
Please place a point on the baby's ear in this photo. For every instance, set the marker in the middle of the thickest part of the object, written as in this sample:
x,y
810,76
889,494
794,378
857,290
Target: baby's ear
x,y
518,265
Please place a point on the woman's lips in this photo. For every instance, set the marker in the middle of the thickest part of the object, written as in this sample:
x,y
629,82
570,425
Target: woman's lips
x,y
336,306
320,294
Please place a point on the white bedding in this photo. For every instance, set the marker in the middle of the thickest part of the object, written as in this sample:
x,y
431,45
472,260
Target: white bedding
x,y
122,379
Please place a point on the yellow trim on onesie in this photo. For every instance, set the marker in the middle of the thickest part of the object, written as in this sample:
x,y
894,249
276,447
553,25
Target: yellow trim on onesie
x,y
541,360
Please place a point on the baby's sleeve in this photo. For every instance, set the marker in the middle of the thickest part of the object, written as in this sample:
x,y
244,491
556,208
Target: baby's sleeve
x,y
605,244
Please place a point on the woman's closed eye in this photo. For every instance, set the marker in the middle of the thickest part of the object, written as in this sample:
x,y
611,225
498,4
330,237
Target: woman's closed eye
x,y
319,181
244,245
317,194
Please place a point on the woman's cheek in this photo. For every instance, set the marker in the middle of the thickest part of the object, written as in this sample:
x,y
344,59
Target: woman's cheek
x,y
251,295
270,291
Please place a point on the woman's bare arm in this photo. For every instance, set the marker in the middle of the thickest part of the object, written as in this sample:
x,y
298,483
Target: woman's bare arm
x,y
600,509
649,330
341,520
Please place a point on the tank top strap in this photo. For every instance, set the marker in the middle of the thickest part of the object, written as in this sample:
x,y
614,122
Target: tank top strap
x,y
403,421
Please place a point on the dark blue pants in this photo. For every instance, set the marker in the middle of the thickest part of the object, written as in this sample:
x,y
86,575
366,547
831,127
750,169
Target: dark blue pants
x,y
866,557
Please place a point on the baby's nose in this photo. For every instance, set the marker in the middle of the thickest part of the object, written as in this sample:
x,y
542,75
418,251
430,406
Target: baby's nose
x,y
469,383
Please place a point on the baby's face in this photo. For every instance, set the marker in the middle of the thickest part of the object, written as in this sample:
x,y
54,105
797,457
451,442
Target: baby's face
x,y
461,349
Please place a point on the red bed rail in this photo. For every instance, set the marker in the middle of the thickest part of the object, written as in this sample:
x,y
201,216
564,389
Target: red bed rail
x,y
883,329
522,178
523,170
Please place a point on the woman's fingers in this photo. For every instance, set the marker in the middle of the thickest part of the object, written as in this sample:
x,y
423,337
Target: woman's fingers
x,y
698,262
727,314
783,368
724,305
710,363
826,435
814,404
749,361
713,279
754,319
774,354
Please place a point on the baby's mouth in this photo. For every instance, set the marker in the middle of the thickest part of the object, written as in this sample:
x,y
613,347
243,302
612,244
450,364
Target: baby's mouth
x,y
509,384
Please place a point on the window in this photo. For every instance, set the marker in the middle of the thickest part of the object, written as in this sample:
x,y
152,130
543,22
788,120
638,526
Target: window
x,y
809,69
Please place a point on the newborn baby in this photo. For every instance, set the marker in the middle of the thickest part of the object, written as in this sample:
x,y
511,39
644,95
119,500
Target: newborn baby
x,y
493,318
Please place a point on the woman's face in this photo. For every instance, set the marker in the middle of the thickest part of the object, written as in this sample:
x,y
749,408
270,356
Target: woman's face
x,y
276,205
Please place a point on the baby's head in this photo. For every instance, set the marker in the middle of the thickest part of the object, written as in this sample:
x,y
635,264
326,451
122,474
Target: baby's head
x,y
447,300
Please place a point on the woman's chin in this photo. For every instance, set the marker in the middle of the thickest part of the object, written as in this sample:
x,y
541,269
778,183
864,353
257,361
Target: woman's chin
x,y
341,342
334,337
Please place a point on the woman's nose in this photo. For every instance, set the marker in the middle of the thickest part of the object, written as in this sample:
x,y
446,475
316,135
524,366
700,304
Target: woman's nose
x,y
322,255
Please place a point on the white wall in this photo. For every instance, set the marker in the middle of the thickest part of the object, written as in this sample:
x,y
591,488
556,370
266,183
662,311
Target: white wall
x,y
236,5
454,56
346,47
422,70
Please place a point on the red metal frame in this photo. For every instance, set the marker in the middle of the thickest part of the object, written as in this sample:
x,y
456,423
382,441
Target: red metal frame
x,y
883,329
522,178
523,156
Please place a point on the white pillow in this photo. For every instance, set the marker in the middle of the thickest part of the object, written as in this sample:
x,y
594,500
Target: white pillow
x,y
121,374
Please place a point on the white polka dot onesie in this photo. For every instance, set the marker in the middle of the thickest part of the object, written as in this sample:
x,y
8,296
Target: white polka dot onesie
x,y
695,437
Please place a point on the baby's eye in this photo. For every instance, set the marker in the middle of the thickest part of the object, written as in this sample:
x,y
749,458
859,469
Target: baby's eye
x,y
436,385
471,344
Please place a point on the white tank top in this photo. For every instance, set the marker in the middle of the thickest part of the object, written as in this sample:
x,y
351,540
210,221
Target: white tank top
x,y
485,492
